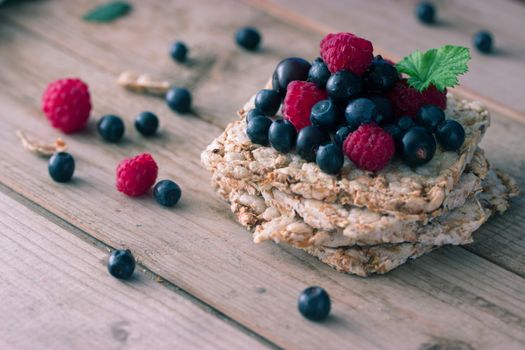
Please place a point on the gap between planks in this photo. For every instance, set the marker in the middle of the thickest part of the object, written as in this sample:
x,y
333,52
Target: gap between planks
x,y
86,237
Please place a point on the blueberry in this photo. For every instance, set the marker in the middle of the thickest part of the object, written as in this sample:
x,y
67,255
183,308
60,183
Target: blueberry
x,y
147,123
385,114
329,158
343,84
319,73
380,59
360,111
257,130
111,128
314,303
179,99
483,41
121,264
450,135
178,51
268,102
61,166
248,38
426,12
394,130
282,135
405,122
417,146
289,69
167,193
308,140
430,116
380,77
252,113
341,134
325,114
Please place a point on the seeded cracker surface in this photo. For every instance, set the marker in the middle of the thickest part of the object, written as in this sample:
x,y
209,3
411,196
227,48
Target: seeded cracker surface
x,y
360,222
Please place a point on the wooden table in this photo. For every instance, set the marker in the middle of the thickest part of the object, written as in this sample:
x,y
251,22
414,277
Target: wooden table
x,y
201,282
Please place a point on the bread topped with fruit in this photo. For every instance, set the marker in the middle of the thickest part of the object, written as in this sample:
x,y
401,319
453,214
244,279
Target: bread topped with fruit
x,y
359,161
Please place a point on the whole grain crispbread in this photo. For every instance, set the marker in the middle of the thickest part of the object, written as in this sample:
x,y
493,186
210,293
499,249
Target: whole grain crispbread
x,y
396,188
455,227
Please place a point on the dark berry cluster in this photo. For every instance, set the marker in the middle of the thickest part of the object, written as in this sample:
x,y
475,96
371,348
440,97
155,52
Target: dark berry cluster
x,y
325,115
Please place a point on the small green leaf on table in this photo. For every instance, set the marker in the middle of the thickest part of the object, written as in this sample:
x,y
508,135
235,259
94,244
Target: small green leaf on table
x,y
108,12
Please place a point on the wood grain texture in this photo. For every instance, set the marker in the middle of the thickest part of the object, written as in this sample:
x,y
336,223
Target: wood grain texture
x,y
220,87
392,26
56,293
221,75
442,299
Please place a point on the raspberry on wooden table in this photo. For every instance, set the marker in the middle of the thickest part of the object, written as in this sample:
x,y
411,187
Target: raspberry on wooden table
x,y
67,104
136,175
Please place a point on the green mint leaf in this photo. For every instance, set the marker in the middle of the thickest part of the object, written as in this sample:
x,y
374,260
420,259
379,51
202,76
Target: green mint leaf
x,y
108,12
439,67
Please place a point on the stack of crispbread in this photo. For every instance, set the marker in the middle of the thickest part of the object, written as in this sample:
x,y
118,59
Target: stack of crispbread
x,y
357,221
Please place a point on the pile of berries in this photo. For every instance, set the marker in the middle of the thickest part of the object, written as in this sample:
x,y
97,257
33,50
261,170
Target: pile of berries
x,y
348,102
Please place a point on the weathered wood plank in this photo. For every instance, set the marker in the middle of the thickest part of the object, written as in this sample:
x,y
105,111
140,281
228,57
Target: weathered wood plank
x,y
221,75
56,293
393,27
218,92
198,248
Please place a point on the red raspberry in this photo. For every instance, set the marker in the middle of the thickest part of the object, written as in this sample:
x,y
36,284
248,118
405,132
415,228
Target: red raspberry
x,y
301,96
67,104
369,147
407,100
346,51
136,175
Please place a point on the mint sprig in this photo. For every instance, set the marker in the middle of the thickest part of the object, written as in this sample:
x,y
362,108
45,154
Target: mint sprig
x,y
439,67
108,12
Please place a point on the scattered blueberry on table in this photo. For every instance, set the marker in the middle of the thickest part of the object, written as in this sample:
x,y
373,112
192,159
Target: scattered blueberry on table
x,y
179,51
61,166
426,12
248,38
179,99
167,193
314,303
147,123
111,128
483,41
121,264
